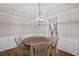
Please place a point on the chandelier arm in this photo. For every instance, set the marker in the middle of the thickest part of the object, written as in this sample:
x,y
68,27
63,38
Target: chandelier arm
x,y
39,19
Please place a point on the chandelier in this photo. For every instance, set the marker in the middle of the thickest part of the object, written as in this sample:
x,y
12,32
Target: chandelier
x,y
39,19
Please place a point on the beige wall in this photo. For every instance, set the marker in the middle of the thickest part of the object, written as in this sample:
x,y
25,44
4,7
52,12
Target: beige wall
x,y
69,23
10,25
69,31
13,26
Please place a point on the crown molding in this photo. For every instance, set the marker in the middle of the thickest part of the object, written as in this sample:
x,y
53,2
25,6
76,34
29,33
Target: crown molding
x,y
12,15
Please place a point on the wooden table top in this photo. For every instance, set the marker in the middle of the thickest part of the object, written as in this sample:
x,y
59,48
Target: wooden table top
x,y
36,39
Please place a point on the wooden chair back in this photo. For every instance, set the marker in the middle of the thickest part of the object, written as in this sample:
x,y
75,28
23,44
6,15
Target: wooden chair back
x,y
18,41
40,49
54,41
54,45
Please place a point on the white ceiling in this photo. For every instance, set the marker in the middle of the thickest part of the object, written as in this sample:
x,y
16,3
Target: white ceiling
x,y
30,10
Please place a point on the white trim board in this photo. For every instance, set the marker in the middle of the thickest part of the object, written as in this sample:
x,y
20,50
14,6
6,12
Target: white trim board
x,y
67,11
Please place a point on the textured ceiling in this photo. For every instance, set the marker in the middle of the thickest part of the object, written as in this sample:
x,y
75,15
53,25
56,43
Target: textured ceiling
x,y
30,10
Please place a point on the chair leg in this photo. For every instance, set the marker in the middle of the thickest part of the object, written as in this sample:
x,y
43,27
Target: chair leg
x,y
55,51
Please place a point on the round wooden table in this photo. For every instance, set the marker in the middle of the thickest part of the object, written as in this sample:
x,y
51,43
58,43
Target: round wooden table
x,y
36,39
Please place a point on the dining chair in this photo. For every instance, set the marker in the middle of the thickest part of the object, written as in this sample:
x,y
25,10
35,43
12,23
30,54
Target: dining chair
x,y
21,48
54,45
40,49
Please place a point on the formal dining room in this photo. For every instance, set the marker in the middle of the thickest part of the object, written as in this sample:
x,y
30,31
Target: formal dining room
x,y
39,29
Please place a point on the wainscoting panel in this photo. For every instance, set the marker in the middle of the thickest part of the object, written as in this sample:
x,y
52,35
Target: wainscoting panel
x,y
69,44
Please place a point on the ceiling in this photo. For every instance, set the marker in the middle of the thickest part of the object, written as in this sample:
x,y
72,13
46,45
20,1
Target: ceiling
x,y
31,10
